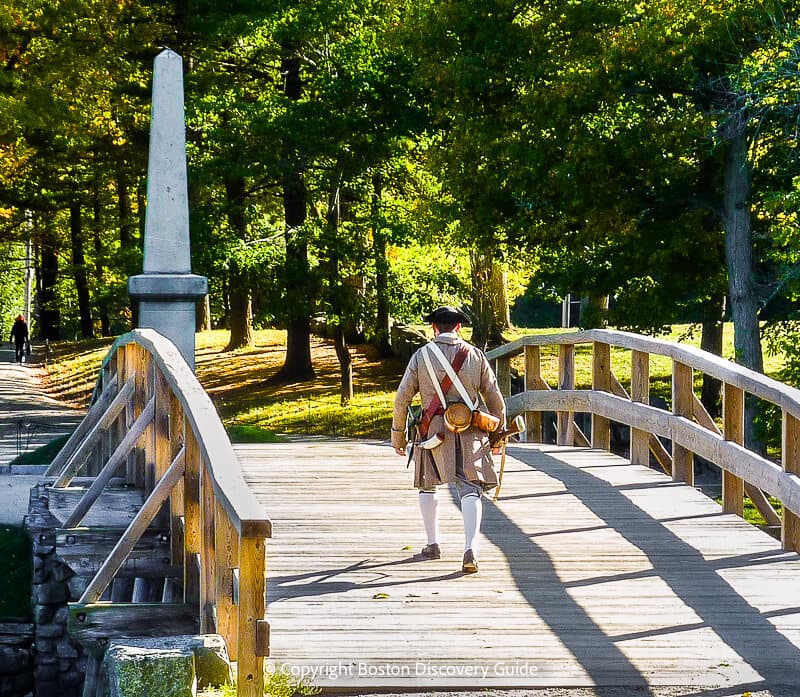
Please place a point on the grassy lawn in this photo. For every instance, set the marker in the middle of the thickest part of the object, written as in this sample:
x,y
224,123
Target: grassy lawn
x,y
15,550
751,514
254,410
41,455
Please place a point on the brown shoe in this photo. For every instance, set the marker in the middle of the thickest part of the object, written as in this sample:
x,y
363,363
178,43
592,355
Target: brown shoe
x,y
470,564
431,551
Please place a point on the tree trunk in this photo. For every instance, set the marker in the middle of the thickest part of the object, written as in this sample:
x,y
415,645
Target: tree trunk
x,y
594,312
124,210
297,365
739,263
241,311
338,297
79,270
489,301
241,305
203,323
382,327
49,314
226,304
711,341
102,297
498,287
345,364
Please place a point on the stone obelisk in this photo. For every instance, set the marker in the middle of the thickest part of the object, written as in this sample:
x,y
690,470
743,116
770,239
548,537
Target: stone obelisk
x,y
168,291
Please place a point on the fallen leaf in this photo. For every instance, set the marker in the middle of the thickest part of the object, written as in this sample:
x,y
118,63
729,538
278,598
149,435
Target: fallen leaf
x,y
380,596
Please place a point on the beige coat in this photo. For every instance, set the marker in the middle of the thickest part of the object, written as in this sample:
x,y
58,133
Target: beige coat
x,y
478,378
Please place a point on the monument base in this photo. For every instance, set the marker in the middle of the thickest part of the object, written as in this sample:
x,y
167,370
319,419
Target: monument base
x,y
167,303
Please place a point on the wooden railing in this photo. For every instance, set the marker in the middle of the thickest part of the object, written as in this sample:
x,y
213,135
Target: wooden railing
x,y
152,423
688,425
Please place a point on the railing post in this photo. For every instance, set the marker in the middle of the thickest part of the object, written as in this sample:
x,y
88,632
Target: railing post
x,y
682,405
252,607
566,381
148,468
116,431
790,522
733,430
533,378
132,356
601,381
208,572
226,544
191,513
503,373
103,447
176,499
162,455
640,393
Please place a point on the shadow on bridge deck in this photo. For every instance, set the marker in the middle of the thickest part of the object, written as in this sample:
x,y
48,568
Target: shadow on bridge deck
x,y
690,556
593,572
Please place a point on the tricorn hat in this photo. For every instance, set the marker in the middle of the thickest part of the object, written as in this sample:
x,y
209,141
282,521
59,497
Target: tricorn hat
x,y
447,314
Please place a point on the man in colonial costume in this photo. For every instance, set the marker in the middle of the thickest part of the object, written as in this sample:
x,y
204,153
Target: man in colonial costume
x,y
451,376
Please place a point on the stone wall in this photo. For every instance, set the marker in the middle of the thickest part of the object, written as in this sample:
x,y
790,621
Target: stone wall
x,y
58,662
16,659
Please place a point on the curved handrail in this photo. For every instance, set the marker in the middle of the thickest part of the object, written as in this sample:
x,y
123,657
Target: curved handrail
x,y
750,381
241,505
734,458
743,470
151,415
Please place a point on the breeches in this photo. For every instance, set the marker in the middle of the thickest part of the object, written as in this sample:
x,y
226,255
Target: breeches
x,y
464,487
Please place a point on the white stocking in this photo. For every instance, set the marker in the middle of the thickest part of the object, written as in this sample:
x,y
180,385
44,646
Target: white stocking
x,y
471,511
429,506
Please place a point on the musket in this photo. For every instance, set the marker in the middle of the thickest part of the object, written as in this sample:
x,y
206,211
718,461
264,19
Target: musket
x,y
516,426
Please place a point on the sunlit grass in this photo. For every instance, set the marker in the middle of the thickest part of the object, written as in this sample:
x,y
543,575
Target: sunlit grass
x,y
367,416
253,409
73,367
278,682
751,514
660,366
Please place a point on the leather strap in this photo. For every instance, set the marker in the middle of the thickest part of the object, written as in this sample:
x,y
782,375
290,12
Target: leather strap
x,y
435,404
448,369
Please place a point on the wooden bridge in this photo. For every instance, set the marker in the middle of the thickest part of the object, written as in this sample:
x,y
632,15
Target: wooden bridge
x,y
595,570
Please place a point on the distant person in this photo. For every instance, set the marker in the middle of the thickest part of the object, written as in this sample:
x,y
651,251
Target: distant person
x,y
19,335
445,451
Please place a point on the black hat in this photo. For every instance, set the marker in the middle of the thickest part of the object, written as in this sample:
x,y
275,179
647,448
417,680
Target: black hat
x,y
447,314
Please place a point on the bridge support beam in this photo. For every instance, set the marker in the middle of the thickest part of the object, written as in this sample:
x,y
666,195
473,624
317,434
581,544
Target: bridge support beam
x,y
790,527
640,392
733,430
682,405
167,291
601,381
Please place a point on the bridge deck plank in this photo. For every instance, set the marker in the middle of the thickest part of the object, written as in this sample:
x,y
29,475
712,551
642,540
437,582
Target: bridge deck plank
x,y
593,571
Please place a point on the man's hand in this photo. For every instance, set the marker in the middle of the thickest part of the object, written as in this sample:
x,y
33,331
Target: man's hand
x,y
400,451
497,449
